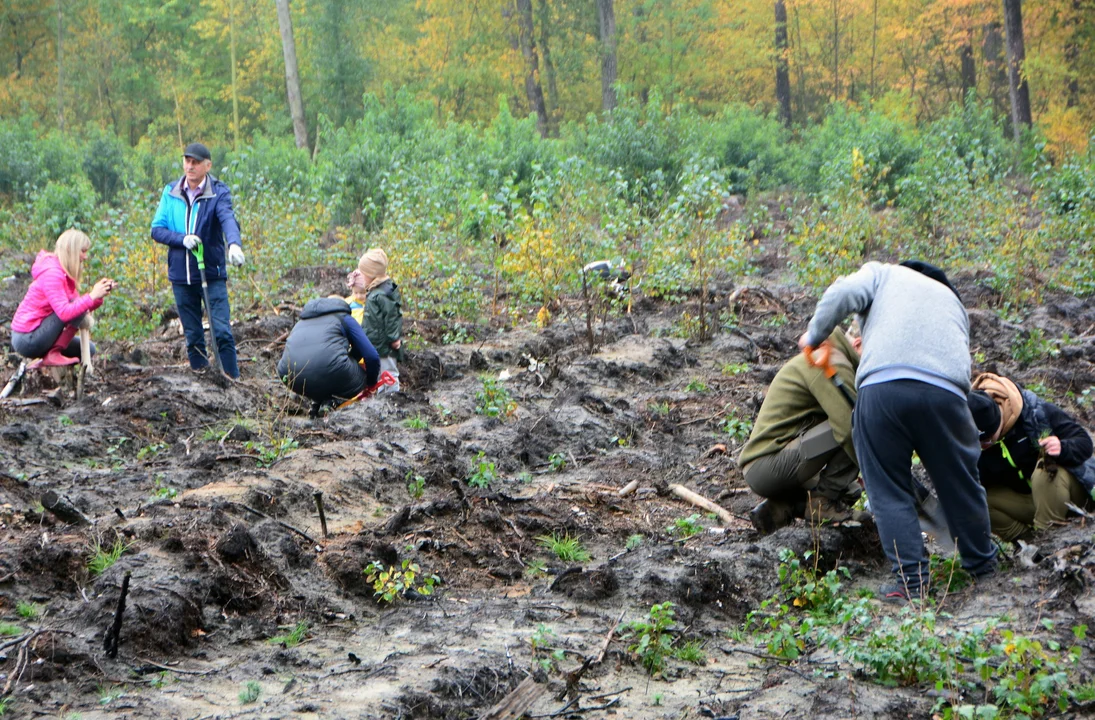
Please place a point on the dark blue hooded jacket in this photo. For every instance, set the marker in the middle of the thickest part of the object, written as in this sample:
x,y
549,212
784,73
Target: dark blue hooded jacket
x,y
210,218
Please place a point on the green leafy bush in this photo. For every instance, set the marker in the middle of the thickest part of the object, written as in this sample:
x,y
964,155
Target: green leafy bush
x,y
60,206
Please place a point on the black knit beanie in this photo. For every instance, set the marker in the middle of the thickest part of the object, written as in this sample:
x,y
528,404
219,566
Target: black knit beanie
x,y
931,271
985,411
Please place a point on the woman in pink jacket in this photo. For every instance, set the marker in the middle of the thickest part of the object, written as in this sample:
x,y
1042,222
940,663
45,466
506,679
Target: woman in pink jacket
x,y
53,310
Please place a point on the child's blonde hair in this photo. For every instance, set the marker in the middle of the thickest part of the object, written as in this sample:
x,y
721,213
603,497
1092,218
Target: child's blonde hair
x,y
68,248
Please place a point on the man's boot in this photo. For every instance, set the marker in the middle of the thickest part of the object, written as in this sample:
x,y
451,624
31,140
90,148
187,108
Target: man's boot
x,y
820,510
771,515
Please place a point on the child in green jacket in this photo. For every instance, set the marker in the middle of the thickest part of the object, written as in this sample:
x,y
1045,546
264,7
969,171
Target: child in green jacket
x,y
382,317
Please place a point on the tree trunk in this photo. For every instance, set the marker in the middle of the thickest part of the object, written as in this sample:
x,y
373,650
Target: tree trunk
x,y
1018,91
874,43
836,51
551,93
969,69
292,75
60,67
783,77
527,42
995,67
606,19
1072,56
235,87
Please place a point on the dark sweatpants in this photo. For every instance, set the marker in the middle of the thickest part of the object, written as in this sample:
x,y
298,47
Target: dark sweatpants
x,y
894,419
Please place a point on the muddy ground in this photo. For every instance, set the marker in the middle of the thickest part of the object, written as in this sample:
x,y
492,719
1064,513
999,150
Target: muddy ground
x,y
224,547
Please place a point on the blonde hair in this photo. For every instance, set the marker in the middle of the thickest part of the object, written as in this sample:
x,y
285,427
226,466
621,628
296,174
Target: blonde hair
x,y
68,248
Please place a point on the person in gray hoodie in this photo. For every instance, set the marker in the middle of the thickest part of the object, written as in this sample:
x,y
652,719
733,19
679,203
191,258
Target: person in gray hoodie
x,y
912,382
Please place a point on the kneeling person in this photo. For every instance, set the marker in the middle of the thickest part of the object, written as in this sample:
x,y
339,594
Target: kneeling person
x,y
322,354
1035,457
800,455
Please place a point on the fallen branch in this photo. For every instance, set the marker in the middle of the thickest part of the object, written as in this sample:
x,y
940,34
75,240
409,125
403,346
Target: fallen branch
x,y
369,671
15,379
516,703
176,670
22,660
608,640
284,524
572,679
63,509
701,502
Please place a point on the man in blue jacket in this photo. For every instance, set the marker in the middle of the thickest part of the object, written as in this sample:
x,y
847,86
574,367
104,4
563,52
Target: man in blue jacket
x,y
197,210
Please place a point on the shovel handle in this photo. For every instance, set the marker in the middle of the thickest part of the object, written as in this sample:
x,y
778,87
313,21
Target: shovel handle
x,y
821,358
199,253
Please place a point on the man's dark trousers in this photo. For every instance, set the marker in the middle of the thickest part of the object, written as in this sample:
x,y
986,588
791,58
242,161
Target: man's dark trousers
x,y
188,300
891,421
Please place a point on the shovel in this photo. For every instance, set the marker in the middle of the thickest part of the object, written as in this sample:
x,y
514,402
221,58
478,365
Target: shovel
x,y
199,254
932,521
85,362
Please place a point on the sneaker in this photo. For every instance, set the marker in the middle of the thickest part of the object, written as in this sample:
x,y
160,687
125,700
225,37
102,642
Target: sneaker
x,y
896,593
771,515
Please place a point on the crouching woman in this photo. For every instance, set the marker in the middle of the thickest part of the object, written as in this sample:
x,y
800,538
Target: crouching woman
x,y
46,322
328,358
1035,458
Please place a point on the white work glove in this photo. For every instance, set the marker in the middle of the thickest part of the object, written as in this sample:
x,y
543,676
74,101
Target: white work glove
x,y
191,241
235,255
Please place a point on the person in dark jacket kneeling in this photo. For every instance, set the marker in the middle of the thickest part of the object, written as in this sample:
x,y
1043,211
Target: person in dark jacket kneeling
x,y
324,355
1035,458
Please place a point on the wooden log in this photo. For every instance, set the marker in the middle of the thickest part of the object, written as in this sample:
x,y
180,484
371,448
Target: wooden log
x,y
63,509
514,705
701,502
15,380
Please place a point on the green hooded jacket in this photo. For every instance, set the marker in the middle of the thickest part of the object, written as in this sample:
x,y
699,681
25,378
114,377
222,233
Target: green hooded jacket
x,y
801,397
383,319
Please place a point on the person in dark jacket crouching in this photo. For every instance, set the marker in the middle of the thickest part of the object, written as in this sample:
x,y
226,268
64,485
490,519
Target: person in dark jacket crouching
x,y
324,355
1035,458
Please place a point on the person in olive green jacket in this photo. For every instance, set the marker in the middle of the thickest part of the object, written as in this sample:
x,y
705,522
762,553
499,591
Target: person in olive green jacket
x,y
799,456
381,314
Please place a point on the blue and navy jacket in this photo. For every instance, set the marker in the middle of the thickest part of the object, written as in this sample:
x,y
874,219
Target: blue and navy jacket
x,y
210,218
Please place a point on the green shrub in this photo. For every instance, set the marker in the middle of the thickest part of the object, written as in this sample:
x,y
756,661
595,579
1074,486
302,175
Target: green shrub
x,y
104,164
886,150
59,207
653,637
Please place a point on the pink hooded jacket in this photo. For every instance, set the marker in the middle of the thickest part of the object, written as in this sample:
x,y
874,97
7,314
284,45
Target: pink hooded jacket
x,y
51,291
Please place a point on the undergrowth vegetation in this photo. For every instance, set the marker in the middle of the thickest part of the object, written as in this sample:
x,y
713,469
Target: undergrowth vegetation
x,y
488,226
988,670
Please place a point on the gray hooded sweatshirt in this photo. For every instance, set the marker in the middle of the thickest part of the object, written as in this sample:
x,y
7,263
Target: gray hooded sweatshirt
x,y
913,327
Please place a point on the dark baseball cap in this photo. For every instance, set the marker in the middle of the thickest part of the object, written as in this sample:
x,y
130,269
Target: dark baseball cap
x,y
197,151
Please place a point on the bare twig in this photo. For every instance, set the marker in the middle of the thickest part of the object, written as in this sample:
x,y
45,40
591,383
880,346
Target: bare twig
x,y
369,671
608,638
180,671
284,524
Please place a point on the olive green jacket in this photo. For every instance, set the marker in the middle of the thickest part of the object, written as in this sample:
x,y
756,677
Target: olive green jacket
x,y
801,397
383,319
